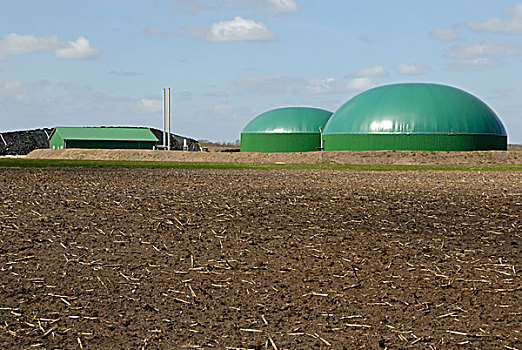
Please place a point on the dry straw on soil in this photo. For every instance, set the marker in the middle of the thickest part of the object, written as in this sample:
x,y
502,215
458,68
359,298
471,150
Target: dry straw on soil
x,y
348,157
94,258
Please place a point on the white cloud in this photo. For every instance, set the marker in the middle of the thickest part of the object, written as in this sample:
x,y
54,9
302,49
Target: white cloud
x,y
239,29
373,71
497,25
282,7
16,44
81,49
316,86
280,84
150,106
223,109
334,86
43,103
473,64
410,69
444,35
338,86
485,54
485,48
360,84
362,80
14,90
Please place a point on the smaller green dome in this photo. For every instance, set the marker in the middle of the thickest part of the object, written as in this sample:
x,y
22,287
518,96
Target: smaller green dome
x,y
290,129
303,120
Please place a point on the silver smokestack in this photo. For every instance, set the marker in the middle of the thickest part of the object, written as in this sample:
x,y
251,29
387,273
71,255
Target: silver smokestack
x,y
168,107
164,117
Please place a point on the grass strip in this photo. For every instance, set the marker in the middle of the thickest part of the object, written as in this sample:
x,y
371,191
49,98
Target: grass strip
x,y
111,164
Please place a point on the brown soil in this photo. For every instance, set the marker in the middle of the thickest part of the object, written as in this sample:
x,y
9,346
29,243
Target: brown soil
x,y
260,259
345,157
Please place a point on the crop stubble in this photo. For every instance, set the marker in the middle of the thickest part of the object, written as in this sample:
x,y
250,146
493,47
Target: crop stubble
x,y
259,259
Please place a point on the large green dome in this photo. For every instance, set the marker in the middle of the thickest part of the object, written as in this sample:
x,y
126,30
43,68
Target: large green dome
x,y
415,116
289,129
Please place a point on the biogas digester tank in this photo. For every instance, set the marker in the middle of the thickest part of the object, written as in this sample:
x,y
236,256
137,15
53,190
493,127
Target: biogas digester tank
x,y
290,129
415,116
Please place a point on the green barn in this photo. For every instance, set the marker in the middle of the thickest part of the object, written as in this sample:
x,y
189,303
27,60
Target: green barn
x,y
415,116
102,137
289,129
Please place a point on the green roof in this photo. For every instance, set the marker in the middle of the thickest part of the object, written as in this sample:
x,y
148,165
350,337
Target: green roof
x,y
415,108
287,120
108,134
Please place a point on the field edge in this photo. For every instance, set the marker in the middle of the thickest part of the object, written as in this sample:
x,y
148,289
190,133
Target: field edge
x,y
147,164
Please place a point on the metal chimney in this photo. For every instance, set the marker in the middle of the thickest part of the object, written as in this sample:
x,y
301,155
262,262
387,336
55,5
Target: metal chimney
x,y
164,117
168,107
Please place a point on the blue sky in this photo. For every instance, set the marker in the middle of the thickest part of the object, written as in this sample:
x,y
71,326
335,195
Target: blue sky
x,y
105,62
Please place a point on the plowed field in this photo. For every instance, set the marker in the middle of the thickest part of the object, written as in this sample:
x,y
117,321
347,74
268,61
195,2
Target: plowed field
x,y
93,258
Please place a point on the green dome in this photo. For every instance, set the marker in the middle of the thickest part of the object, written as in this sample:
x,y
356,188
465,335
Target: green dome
x,y
414,109
290,129
289,120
